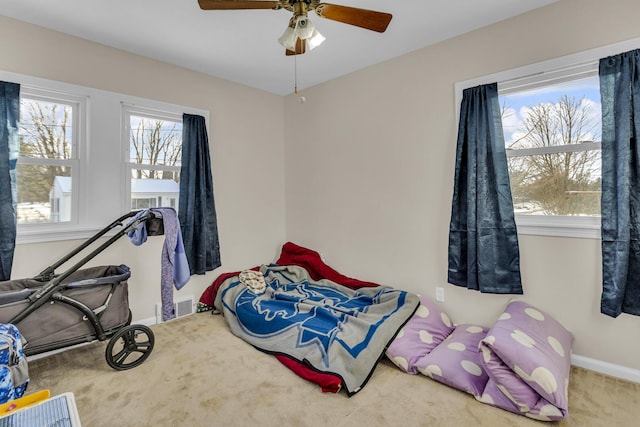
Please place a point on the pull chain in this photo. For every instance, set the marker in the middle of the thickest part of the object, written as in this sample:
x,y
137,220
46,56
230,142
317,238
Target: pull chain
x,y
295,74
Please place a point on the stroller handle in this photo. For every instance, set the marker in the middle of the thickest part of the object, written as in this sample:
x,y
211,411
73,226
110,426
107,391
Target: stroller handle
x,y
37,299
49,273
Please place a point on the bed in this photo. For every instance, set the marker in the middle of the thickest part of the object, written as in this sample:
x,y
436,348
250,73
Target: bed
x,y
333,330
328,328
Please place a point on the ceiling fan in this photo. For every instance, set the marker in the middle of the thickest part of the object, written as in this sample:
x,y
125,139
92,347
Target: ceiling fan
x,y
301,35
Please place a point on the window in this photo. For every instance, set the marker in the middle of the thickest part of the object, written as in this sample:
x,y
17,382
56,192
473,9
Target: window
x,y
74,178
551,119
551,116
48,163
552,137
153,152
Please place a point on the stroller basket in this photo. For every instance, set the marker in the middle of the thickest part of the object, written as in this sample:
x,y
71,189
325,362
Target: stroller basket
x,y
54,311
63,321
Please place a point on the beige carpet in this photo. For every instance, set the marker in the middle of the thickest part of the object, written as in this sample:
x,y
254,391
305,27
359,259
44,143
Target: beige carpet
x,y
199,374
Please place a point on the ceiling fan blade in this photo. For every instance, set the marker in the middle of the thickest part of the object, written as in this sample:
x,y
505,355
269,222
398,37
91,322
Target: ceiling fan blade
x,y
301,47
363,18
239,4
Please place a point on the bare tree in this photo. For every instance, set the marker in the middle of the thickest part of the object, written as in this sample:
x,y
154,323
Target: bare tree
x,y
565,182
156,142
45,134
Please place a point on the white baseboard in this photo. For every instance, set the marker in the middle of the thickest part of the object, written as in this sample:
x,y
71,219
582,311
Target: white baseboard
x,y
606,368
149,321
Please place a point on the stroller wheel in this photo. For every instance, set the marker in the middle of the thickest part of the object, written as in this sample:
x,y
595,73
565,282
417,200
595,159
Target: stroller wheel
x,y
129,347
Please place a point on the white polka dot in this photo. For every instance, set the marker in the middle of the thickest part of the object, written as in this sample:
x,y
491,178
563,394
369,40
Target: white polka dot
x,y
431,370
522,374
422,311
445,319
489,339
426,337
471,367
504,316
474,329
486,398
486,354
400,362
537,417
556,346
534,314
543,377
566,389
456,346
550,411
523,338
400,334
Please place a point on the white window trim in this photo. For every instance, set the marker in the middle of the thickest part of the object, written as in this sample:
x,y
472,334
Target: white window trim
x,y
76,162
100,200
557,70
554,149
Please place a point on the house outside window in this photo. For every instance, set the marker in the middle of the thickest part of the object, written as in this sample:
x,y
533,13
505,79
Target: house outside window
x,y
154,193
153,151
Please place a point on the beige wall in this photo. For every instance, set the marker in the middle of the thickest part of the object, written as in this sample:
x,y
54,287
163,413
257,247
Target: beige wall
x,y
370,184
247,160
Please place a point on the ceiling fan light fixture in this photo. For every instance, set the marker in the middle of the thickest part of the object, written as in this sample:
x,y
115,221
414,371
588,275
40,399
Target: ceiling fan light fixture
x,y
315,40
302,29
288,39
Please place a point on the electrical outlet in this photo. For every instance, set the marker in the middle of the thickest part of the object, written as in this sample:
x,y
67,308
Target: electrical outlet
x,y
440,294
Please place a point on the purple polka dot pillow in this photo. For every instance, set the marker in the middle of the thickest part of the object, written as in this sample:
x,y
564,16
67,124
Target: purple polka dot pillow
x,y
428,327
457,361
536,347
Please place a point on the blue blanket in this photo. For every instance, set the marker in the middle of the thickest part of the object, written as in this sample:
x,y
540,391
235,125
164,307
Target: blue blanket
x,y
330,327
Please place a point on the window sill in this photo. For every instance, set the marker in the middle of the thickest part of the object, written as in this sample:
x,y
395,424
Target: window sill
x,y
575,227
55,234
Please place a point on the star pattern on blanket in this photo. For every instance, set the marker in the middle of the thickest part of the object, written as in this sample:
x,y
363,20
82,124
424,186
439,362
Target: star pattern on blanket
x,y
319,313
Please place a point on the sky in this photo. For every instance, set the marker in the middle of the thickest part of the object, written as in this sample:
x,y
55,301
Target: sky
x,y
518,104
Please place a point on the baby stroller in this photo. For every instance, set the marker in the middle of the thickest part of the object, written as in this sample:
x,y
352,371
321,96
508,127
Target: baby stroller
x,y
54,311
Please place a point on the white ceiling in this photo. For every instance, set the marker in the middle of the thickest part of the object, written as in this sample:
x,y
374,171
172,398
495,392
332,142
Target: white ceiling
x,y
241,45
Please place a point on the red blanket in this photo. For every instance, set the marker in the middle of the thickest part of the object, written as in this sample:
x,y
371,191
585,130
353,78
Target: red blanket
x,y
310,260
292,254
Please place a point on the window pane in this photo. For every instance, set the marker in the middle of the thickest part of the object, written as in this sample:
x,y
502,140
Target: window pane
x,y
44,193
155,142
46,129
556,184
565,113
556,176
151,189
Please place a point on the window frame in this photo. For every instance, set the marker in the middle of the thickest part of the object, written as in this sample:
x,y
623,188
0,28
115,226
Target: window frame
x,y
558,70
100,180
78,104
